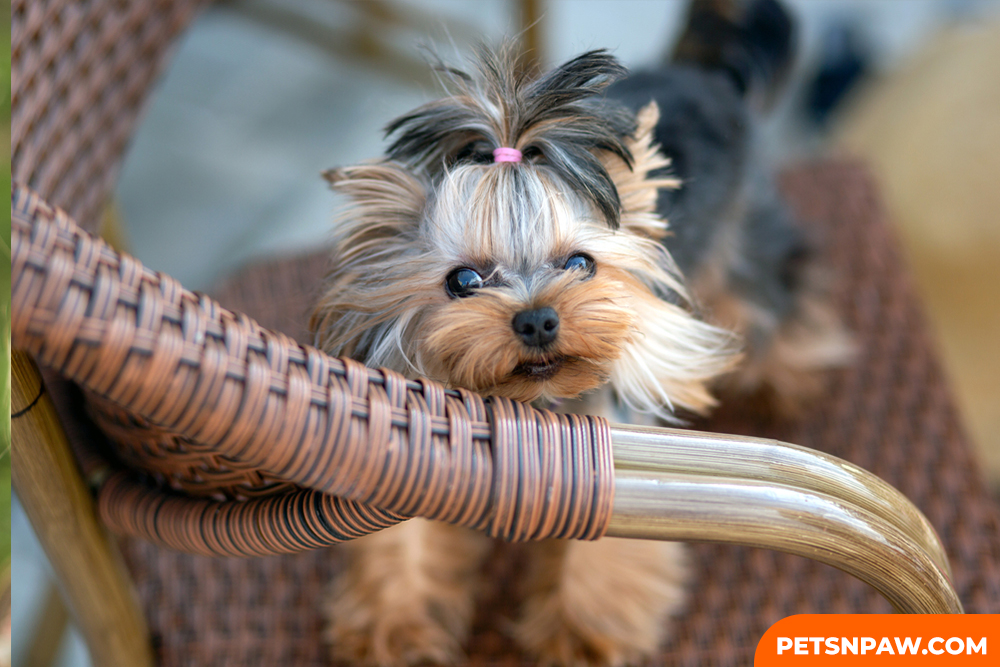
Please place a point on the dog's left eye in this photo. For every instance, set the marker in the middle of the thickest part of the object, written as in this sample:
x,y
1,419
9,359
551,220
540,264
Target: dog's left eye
x,y
463,282
475,152
581,262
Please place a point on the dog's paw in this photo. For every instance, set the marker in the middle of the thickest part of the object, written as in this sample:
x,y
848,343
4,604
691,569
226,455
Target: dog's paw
x,y
555,642
405,596
389,638
601,604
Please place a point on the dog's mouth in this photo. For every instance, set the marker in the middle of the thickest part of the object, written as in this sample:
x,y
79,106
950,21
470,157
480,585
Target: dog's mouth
x,y
540,370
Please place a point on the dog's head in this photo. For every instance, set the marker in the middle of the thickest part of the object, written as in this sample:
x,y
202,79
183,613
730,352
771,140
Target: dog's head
x,y
532,271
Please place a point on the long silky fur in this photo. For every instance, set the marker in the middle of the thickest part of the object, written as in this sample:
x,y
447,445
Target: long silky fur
x,y
427,209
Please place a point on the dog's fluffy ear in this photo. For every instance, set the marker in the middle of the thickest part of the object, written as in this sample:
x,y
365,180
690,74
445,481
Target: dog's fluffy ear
x,y
672,361
675,356
638,186
384,195
376,246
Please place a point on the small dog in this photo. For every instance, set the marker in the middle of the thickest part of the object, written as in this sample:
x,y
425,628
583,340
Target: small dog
x,y
510,243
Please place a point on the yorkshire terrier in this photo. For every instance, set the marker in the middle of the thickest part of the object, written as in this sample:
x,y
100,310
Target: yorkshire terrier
x,y
512,243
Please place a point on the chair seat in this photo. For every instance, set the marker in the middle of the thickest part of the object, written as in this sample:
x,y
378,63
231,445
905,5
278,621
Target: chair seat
x,y
890,413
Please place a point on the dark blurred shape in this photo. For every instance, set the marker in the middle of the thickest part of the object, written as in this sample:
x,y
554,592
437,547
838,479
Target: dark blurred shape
x,y
730,55
844,60
753,42
744,257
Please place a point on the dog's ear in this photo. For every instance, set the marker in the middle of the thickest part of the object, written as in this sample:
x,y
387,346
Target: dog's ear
x,y
382,194
639,186
382,217
673,359
373,273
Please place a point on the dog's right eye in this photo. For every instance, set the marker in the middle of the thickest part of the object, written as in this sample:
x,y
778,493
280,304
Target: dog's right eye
x,y
581,262
532,154
462,282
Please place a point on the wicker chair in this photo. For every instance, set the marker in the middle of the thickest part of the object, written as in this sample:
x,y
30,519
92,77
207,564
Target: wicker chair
x,y
207,400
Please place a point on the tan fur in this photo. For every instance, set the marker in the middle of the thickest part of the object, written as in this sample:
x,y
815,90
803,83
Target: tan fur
x,y
600,603
472,345
790,372
406,595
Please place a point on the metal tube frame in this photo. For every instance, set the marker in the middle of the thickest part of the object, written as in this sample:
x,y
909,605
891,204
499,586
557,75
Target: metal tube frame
x,y
703,487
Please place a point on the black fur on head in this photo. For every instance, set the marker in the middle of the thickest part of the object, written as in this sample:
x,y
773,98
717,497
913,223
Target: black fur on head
x,y
557,120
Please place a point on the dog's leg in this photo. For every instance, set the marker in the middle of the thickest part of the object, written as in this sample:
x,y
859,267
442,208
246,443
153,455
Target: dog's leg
x,y
606,602
600,603
406,595
763,280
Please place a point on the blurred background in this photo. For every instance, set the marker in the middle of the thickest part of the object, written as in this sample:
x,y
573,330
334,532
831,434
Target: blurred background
x,y
263,95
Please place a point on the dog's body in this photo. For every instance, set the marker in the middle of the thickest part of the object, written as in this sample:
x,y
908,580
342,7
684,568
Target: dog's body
x,y
510,244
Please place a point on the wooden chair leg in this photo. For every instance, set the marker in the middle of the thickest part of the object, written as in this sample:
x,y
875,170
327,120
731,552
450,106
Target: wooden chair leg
x,y
88,567
47,635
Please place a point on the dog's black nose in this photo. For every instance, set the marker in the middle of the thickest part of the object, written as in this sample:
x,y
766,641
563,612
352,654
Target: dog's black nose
x,y
537,328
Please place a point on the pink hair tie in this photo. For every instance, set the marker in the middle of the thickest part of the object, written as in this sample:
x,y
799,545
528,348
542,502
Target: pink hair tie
x,y
504,154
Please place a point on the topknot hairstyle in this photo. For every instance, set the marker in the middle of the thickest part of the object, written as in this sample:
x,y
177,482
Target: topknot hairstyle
x,y
560,117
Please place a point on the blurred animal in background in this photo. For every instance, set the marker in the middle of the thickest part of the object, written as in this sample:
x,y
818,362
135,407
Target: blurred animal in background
x,y
749,267
512,242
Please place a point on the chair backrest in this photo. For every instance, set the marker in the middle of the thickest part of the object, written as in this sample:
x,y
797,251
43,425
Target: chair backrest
x,y
80,74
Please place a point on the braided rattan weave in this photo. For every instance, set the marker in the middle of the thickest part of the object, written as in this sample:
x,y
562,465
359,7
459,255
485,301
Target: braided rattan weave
x,y
80,73
253,400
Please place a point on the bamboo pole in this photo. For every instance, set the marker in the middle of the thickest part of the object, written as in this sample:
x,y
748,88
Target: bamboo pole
x,y
47,635
88,567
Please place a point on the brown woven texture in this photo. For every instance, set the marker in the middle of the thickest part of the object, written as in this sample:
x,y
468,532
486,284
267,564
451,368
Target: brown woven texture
x,y
80,72
244,399
891,413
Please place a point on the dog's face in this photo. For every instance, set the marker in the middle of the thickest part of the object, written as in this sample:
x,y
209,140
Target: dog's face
x,y
532,299
540,278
